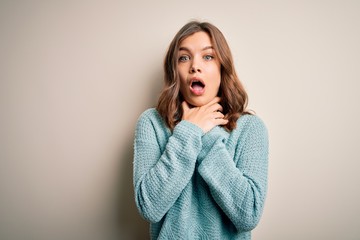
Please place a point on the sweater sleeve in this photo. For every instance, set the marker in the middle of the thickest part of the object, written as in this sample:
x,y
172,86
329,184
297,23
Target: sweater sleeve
x,y
160,177
239,187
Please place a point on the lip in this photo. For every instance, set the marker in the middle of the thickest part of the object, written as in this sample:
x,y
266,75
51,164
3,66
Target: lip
x,y
197,91
196,79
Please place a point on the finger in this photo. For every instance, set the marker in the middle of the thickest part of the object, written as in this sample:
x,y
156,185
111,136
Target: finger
x,y
218,115
221,121
213,101
215,108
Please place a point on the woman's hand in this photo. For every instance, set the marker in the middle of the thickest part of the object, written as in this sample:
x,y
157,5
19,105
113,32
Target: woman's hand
x,y
206,117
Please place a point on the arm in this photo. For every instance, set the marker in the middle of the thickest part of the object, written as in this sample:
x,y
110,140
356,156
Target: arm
x,y
238,189
160,177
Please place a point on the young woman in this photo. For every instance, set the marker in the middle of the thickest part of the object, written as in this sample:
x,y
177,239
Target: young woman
x,y
200,159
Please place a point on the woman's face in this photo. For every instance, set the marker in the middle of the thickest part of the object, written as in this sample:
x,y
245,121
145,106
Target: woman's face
x,y
199,69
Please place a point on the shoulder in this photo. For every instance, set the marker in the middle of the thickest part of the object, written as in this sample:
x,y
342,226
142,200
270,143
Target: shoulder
x,y
150,117
250,121
149,114
250,127
251,133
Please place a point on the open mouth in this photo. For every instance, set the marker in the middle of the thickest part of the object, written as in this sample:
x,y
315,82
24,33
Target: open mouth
x,y
197,86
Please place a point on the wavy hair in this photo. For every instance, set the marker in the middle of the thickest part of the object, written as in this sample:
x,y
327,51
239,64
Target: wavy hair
x,y
234,98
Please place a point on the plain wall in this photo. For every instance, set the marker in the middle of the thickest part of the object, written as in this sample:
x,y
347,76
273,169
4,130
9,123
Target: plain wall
x,y
75,76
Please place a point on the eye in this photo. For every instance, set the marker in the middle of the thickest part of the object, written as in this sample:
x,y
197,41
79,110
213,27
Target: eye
x,y
184,58
208,57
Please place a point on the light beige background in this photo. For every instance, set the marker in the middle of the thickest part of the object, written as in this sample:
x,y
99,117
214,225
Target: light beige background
x,y
75,75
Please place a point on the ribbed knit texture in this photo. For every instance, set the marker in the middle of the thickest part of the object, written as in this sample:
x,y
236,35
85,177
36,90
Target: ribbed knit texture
x,y
191,185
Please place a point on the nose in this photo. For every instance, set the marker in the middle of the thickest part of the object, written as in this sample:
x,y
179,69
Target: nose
x,y
195,67
195,70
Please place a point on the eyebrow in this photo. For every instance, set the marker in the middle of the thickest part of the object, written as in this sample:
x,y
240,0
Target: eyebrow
x,y
186,49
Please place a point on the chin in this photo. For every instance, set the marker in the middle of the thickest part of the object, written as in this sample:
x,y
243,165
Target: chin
x,y
198,102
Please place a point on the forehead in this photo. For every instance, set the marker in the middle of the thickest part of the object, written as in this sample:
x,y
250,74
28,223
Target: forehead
x,y
198,40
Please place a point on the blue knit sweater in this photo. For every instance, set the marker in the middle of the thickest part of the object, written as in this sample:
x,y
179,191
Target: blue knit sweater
x,y
192,185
